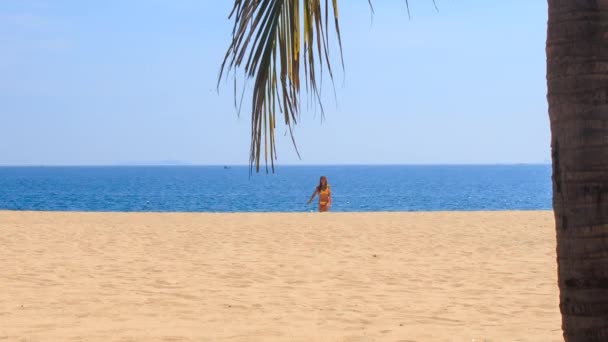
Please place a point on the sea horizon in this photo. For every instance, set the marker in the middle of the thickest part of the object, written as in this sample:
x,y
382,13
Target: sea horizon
x,y
224,188
275,165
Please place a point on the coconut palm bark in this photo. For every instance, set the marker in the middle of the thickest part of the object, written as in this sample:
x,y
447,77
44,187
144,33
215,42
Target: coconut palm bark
x,y
279,43
577,83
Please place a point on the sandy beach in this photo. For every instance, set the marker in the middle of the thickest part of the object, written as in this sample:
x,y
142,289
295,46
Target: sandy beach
x,y
443,276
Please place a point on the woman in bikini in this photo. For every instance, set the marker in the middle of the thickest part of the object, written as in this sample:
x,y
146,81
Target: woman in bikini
x,y
324,195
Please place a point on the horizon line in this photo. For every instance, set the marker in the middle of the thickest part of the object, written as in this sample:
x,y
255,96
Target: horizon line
x,y
276,165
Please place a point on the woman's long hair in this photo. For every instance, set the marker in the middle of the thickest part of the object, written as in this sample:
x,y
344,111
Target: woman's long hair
x,y
321,187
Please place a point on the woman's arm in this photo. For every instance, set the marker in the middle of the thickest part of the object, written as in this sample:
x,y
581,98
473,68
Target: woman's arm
x,y
312,196
328,197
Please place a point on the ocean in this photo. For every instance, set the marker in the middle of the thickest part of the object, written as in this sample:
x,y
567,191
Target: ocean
x,y
233,189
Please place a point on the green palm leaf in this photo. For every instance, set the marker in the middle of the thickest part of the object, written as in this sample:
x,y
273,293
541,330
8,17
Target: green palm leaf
x,y
269,38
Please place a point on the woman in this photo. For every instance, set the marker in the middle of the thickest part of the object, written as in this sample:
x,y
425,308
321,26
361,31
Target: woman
x,y
324,195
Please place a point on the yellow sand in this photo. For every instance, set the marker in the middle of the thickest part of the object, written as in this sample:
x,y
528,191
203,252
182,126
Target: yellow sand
x,y
482,276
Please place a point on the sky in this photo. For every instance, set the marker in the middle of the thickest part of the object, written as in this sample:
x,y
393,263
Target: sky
x,y
115,82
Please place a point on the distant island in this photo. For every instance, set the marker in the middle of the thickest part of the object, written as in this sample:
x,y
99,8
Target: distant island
x,y
155,163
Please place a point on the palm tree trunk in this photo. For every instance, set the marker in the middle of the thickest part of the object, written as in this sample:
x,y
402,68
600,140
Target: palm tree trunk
x,y
577,82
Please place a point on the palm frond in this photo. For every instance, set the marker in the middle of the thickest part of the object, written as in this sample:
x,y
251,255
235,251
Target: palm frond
x,y
269,39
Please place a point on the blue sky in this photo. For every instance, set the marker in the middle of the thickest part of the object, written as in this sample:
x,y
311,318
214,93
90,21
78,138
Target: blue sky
x,y
106,82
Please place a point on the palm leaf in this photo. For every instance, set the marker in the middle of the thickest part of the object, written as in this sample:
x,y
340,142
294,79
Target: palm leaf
x,y
269,39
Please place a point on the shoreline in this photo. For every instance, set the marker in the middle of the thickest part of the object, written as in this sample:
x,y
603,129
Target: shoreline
x,y
275,212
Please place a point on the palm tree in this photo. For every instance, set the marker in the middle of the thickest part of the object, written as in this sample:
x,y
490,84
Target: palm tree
x,y
270,37
577,81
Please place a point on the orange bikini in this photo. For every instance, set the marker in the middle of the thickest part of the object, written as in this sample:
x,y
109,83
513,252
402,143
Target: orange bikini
x,y
323,199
